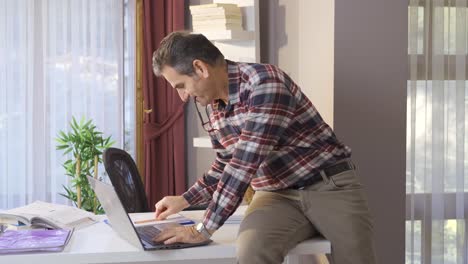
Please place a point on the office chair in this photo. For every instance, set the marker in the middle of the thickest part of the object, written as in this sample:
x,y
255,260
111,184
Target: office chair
x,y
126,180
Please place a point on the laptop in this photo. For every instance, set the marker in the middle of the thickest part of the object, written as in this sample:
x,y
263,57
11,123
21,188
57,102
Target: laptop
x,y
139,236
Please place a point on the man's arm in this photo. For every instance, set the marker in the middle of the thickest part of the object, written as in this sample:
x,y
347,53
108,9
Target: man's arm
x,y
201,192
271,110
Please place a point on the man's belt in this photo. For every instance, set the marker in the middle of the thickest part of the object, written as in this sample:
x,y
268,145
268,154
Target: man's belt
x,y
334,169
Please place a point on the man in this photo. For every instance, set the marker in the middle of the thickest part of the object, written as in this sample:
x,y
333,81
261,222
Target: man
x,y
267,134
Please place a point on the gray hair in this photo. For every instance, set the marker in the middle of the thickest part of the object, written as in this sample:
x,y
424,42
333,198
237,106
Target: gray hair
x,y
179,49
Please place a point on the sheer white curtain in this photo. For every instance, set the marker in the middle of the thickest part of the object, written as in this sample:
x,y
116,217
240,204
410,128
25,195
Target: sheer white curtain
x,y
58,59
437,139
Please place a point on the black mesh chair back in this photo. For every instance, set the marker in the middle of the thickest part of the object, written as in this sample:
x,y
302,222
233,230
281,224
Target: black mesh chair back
x,y
126,180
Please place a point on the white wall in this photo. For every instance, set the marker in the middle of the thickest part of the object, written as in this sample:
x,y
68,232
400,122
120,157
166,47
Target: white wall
x,y
298,36
316,50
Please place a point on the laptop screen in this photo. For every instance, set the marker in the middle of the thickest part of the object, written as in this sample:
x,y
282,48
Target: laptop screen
x,y
120,221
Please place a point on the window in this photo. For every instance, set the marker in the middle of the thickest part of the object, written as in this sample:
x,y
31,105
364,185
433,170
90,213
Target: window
x,y
437,148
60,59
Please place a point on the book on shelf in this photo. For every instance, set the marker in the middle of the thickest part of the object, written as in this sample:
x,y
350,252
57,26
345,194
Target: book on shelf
x,y
213,5
215,9
35,240
197,22
215,27
216,17
48,215
216,12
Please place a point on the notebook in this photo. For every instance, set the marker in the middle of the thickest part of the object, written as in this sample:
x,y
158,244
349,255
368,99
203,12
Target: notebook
x,y
35,240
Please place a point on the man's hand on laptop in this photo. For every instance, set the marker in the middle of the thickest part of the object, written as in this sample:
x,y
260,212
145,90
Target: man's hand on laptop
x,y
180,234
169,205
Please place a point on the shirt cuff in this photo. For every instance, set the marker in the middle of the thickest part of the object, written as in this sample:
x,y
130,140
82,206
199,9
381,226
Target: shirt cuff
x,y
196,195
212,221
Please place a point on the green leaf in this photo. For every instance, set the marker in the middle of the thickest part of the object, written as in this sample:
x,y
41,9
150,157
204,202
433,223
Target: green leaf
x,y
63,135
60,141
66,196
110,144
82,121
67,151
88,123
76,136
59,147
73,122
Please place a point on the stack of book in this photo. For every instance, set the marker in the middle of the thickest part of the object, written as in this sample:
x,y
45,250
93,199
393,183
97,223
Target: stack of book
x,y
216,17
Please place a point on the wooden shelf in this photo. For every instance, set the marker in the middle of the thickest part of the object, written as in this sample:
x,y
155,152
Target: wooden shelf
x,y
202,142
240,3
228,35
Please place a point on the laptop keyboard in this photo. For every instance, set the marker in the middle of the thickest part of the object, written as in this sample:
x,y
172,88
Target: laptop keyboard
x,y
147,233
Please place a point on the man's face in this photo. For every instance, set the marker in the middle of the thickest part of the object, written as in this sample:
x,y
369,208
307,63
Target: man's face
x,y
199,85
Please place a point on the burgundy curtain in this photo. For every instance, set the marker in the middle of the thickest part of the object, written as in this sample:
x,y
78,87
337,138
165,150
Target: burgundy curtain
x,y
163,127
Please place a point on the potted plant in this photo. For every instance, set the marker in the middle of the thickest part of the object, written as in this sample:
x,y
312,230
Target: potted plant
x,y
86,145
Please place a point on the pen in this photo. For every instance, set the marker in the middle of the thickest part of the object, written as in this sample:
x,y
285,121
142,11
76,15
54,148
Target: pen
x,y
186,222
107,222
145,221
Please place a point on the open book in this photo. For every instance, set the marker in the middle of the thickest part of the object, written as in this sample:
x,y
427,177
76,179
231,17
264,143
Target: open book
x,y
42,214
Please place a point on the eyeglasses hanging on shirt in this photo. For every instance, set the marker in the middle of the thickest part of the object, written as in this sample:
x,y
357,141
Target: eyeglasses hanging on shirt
x,y
207,125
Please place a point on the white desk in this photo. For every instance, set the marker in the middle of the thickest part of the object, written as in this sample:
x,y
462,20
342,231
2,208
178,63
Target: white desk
x,y
100,244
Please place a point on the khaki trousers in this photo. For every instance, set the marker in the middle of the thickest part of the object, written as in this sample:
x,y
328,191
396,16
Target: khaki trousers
x,y
335,208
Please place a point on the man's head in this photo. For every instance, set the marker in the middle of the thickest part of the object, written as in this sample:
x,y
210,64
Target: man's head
x,y
193,66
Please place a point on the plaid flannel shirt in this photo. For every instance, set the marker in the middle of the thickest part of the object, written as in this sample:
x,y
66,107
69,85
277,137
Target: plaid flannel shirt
x,y
269,135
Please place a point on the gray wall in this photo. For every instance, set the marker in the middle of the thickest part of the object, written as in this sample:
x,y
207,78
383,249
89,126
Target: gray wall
x,y
370,108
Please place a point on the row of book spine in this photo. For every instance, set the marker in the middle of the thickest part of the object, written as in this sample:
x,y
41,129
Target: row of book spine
x,y
216,17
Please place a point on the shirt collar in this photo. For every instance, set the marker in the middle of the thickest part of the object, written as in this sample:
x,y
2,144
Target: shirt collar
x,y
234,81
